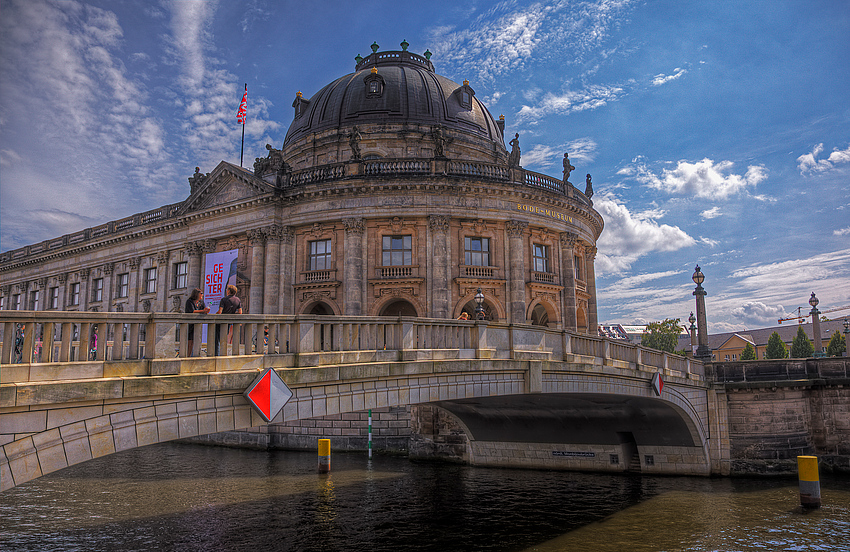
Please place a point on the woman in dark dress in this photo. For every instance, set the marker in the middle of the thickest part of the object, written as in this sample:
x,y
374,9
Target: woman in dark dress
x,y
194,305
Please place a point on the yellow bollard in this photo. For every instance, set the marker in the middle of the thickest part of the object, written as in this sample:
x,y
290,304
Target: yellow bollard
x,y
324,455
807,469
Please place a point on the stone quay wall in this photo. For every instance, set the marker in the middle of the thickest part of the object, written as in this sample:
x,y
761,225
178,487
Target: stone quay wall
x,y
780,409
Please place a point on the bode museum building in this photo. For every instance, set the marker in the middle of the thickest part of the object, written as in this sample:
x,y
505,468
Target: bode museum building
x,y
393,194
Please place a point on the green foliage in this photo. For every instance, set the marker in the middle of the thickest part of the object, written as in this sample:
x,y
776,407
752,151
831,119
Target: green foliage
x,y
802,347
775,347
837,345
748,353
663,336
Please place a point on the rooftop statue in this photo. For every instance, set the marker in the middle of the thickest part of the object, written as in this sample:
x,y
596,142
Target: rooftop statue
x,y
568,168
588,190
513,158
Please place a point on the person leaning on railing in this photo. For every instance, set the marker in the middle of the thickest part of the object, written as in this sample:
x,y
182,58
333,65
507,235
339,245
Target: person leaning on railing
x,y
228,305
194,305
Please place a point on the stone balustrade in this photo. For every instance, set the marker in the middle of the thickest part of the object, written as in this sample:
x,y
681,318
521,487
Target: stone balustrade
x,y
40,346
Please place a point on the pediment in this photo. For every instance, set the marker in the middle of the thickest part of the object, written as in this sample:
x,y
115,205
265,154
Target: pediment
x,y
225,185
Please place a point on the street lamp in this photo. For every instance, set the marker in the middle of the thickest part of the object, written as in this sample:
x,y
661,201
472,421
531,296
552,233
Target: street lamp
x,y
479,305
846,331
693,330
813,301
703,353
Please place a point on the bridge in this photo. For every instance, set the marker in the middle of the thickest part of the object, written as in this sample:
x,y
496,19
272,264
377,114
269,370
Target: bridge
x,y
81,385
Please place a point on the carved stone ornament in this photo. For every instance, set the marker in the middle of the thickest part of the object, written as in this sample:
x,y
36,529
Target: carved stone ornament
x,y
287,235
119,307
480,226
192,249
439,223
62,278
397,224
84,273
5,290
162,258
209,245
568,239
274,233
42,283
107,268
354,226
23,286
397,292
196,180
590,252
516,228
273,163
146,305
135,262
315,295
514,157
176,303
317,230
256,236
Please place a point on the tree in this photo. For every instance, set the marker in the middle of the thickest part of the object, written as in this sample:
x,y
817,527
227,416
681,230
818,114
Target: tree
x,y
837,345
663,336
802,346
748,353
775,347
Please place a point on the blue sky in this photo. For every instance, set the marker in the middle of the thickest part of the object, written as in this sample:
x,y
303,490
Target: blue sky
x,y
717,133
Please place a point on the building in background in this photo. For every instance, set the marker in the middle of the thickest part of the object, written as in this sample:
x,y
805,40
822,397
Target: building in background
x,y
393,194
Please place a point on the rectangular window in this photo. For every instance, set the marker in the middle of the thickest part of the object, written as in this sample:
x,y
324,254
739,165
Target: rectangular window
x,y
541,258
34,300
477,251
123,287
398,251
16,302
74,299
320,255
97,290
2,303
54,298
577,264
150,280
181,275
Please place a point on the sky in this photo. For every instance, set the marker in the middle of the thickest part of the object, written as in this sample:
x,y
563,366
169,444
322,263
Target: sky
x,y
717,133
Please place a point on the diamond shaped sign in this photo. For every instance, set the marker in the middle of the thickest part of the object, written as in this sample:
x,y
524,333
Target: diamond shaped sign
x,y
268,394
657,383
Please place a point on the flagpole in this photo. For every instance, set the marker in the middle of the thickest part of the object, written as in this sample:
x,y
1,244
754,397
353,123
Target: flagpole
x,y
242,150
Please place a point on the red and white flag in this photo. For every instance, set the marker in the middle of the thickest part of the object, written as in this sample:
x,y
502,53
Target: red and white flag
x,y
243,107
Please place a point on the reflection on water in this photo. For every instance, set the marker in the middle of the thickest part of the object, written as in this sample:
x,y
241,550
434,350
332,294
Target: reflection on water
x,y
187,497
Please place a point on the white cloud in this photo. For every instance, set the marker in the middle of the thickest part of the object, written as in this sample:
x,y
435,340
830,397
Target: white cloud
x,y
592,97
658,80
701,179
628,236
581,150
841,232
708,214
809,162
756,313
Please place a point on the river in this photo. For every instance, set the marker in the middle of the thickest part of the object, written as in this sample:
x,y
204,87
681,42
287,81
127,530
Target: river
x,y
186,497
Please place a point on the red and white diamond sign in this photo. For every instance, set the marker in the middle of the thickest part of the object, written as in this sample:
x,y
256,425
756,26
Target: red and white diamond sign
x,y
268,394
657,383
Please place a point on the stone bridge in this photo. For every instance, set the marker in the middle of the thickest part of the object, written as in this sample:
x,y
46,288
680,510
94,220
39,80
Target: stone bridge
x,y
524,395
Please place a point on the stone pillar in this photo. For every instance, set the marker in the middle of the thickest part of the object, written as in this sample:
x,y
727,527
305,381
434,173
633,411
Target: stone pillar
x,y
107,286
568,279
271,279
439,259
161,282
592,318
287,270
43,298
193,274
62,279
517,270
353,267
84,288
257,239
133,291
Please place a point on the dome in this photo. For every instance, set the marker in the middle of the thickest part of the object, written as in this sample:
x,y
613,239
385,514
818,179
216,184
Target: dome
x,y
395,88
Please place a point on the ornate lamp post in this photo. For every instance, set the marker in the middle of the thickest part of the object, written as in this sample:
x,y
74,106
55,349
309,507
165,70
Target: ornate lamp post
x,y
813,301
479,305
846,332
693,330
703,353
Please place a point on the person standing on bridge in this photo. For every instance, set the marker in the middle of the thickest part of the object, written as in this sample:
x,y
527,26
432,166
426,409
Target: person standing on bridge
x,y
228,305
194,305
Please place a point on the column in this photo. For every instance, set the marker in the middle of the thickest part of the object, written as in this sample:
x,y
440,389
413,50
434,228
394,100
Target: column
x,y
517,270
353,266
107,286
84,288
43,298
193,274
439,259
133,285
568,279
62,279
287,270
161,282
271,279
257,239
592,318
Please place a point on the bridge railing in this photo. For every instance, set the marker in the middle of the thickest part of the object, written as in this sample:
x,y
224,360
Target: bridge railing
x,y
43,339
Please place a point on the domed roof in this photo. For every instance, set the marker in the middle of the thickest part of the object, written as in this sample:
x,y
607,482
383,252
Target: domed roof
x,y
393,87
